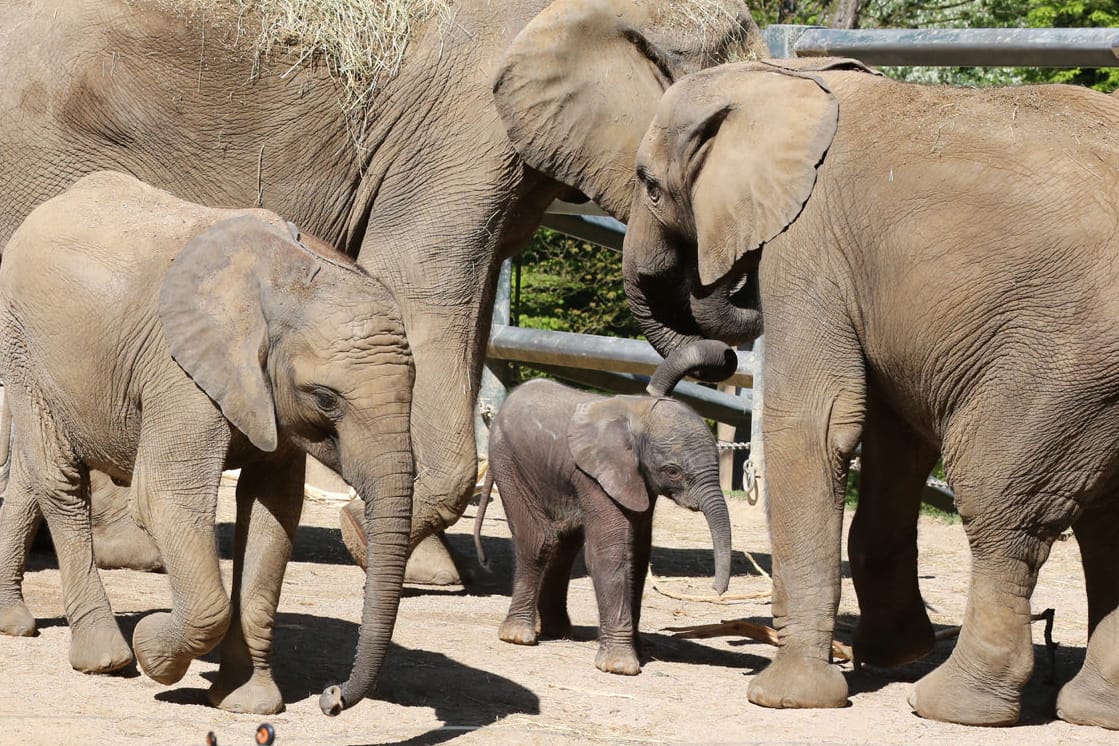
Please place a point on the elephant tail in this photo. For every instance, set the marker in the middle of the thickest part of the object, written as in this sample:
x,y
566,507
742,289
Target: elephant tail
x,y
483,502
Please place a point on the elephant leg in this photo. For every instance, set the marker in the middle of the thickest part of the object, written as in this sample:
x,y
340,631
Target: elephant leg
x,y
893,627
533,550
117,541
269,503
642,550
20,519
1092,697
431,562
815,409
554,619
176,479
62,490
610,542
981,682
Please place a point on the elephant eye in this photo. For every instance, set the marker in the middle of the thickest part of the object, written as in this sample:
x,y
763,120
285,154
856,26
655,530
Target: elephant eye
x,y
325,399
672,471
653,189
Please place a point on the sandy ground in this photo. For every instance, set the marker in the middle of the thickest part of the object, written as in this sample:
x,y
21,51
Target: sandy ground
x,y
449,678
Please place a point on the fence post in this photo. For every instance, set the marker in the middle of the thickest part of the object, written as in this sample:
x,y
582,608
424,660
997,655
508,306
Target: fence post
x,y
492,391
757,450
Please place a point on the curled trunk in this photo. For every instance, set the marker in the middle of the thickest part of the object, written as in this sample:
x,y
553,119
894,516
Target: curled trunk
x,y
709,360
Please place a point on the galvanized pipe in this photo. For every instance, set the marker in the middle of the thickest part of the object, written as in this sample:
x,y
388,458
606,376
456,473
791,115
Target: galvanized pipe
x,y
974,47
585,351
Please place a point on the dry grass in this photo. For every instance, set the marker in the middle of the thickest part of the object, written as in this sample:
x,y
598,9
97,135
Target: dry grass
x,y
362,42
707,21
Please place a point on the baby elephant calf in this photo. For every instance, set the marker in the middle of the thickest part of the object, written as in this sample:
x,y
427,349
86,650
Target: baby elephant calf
x,y
572,466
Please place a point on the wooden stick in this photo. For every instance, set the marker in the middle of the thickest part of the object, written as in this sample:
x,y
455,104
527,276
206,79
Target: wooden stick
x,y
726,598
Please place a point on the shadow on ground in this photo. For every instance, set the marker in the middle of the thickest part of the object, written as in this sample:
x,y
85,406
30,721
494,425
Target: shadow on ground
x,y
317,651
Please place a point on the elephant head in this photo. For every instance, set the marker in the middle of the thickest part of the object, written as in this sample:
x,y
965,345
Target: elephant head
x,y
727,165
636,446
300,347
578,85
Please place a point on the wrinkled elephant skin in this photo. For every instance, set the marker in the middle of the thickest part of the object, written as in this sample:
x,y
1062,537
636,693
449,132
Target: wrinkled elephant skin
x,y
224,339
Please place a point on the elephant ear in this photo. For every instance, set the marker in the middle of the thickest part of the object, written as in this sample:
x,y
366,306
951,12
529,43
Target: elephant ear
x,y
578,86
601,439
769,133
210,309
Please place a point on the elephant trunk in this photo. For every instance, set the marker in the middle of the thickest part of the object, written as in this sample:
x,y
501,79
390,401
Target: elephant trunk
x,y
668,325
709,360
665,296
713,503
385,481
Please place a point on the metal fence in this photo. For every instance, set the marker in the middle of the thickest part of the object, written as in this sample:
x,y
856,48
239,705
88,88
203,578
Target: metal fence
x,y
613,365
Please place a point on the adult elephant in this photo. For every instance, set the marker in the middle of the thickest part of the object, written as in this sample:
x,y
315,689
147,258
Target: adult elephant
x,y
431,182
930,283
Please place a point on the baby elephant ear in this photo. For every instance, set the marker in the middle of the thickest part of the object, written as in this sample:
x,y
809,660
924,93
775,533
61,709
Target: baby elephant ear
x,y
602,441
210,309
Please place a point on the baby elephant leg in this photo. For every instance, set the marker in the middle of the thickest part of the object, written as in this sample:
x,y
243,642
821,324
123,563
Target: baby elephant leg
x,y
38,468
610,541
552,604
177,474
532,553
19,521
269,503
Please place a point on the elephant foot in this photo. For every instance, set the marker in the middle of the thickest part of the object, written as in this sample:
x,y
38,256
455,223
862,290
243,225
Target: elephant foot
x,y
517,631
124,545
617,659
894,641
16,620
1089,699
792,681
430,563
948,694
152,652
98,647
258,696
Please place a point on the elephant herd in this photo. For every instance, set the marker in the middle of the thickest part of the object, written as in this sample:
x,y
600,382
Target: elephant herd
x,y
938,270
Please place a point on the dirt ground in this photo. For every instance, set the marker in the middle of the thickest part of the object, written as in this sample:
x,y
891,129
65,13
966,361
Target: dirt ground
x,y
449,678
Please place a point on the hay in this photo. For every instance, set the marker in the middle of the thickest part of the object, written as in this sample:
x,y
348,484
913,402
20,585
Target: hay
x,y
362,42
707,21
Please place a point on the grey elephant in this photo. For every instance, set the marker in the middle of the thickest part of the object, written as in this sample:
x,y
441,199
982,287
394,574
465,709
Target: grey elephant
x,y
936,270
574,467
430,181
192,340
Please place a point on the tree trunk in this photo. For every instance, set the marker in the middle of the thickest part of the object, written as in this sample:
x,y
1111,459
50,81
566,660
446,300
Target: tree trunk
x,y
845,14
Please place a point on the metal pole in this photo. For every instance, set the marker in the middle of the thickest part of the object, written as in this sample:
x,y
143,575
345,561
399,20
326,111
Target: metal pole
x,y
492,391
943,47
756,476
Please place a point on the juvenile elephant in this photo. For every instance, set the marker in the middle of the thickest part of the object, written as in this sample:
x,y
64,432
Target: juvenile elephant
x,y
161,341
573,466
932,262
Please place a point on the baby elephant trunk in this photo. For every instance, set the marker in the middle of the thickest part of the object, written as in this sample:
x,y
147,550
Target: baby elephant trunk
x,y
714,506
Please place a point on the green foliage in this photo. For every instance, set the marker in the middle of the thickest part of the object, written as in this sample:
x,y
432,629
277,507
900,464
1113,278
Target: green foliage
x,y
572,286
1075,14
